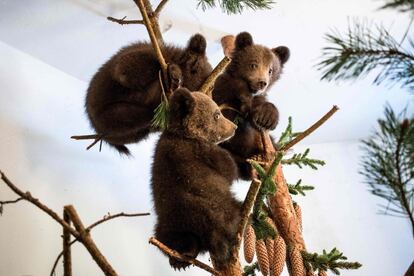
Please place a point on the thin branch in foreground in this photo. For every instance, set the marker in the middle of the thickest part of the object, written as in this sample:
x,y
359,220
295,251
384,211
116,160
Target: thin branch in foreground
x,y
180,257
160,7
208,85
311,129
122,21
67,254
93,225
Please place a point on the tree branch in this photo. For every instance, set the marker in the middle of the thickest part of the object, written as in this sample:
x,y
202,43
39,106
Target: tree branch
x,y
2,203
28,197
180,257
160,7
208,85
152,35
122,21
88,242
311,129
67,255
93,225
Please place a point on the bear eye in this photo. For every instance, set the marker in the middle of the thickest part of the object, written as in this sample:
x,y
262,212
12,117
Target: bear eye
x,y
270,71
216,116
253,66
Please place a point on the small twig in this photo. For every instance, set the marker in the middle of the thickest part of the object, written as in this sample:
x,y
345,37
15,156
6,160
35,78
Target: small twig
x,y
160,7
93,225
67,256
311,129
152,36
88,242
94,143
87,137
180,257
122,21
246,208
208,85
2,203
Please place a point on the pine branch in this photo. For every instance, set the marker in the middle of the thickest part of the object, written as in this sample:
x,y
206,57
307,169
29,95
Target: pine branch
x,y
388,165
236,6
334,260
365,48
297,188
300,159
250,270
400,5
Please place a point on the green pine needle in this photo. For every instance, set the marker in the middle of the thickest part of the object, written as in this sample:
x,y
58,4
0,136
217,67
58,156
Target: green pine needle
x,y
160,119
333,260
262,228
249,270
301,159
236,6
297,188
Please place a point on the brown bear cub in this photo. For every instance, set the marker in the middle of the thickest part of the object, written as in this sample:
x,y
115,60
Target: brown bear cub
x,y
242,88
191,180
123,94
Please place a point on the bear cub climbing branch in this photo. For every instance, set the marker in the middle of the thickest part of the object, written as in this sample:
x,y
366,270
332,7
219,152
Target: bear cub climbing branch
x,y
191,180
123,94
241,90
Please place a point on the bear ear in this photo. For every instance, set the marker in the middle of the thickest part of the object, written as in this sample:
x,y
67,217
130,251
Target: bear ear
x,y
243,40
282,52
182,103
197,44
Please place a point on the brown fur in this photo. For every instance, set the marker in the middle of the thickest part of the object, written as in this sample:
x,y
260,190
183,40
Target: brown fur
x,y
125,91
243,86
191,179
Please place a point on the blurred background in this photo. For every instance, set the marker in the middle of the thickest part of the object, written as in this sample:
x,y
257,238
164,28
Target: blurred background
x,y
49,50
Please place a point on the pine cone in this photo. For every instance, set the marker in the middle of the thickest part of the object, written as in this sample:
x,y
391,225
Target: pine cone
x,y
249,243
269,246
296,262
298,212
279,256
322,273
262,257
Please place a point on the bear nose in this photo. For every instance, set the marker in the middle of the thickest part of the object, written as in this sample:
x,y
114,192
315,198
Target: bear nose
x,y
262,84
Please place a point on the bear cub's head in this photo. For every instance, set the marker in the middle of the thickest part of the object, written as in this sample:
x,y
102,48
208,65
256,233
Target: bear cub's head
x,y
194,64
258,65
195,115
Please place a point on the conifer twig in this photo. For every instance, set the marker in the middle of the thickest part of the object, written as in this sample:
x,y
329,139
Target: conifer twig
x,y
122,21
177,255
311,129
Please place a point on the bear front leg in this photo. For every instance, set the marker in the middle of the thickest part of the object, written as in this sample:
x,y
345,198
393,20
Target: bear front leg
x,y
264,115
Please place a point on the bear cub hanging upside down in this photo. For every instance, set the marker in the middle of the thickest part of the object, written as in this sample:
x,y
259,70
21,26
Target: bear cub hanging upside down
x,y
191,180
241,90
123,94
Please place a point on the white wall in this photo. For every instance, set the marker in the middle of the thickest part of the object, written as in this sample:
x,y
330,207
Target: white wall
x,y
41,107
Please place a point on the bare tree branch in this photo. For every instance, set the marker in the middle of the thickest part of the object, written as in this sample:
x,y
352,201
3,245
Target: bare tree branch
x,y
67,254
160,7
122,21
180,257
208,85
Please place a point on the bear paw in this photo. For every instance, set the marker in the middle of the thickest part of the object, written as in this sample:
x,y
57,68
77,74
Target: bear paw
x,y
175,76
265,116
178,264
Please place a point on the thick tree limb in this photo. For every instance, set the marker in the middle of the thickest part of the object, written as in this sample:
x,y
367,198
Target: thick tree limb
x,y
177,255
